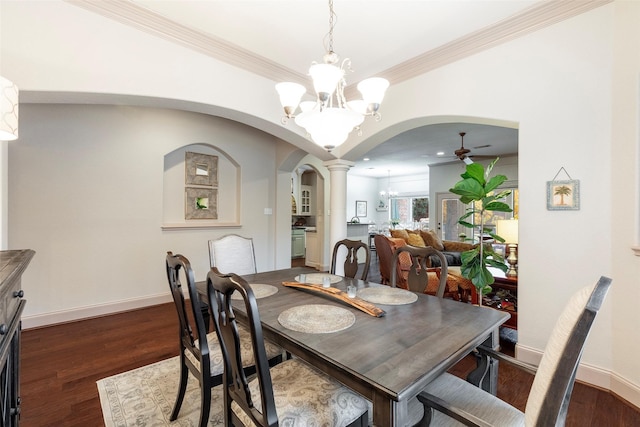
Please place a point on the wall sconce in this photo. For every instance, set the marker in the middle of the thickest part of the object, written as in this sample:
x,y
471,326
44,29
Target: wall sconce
x,y
8,110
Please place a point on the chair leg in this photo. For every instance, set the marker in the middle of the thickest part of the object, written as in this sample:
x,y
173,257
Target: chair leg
x,y
363,421
205,403
182,388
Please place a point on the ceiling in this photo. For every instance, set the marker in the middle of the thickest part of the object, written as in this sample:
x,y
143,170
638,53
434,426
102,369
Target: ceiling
x,y
395,39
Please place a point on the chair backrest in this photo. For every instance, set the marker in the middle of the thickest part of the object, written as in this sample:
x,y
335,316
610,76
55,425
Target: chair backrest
x,y
219,290
176,264
418,277
351,259
385,256
552,386
233,254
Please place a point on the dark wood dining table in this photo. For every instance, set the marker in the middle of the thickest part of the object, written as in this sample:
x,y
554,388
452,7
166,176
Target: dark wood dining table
x,y
387,359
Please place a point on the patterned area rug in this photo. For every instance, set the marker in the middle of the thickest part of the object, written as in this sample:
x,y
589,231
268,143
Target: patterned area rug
x,y
144,397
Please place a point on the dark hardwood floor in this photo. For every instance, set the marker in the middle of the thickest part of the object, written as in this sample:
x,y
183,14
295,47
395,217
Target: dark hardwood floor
x,y
61,364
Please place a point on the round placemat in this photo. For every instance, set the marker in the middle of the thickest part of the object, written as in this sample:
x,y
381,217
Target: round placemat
x,y
316,278
316,318
260,290
387,295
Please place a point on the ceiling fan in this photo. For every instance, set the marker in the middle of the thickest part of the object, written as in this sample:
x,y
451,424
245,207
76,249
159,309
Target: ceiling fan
x,y
463,153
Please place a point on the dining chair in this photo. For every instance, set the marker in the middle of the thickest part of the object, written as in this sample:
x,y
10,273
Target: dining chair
x,y
292,392
351,259
409,267
233,253
449,400
385,256
201,354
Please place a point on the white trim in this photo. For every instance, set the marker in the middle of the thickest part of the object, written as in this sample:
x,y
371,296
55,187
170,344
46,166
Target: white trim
x,y
591,375
97,310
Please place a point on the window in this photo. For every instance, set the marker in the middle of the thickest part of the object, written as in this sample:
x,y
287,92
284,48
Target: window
x,y
407,210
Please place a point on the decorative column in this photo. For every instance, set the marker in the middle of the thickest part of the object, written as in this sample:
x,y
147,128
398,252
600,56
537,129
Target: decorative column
x,y
337,200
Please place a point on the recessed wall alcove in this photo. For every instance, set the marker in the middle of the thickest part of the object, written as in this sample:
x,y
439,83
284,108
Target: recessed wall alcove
x,y
174,184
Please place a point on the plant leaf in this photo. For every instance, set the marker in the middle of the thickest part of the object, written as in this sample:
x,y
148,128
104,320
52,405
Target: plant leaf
x,y
475,171
498,207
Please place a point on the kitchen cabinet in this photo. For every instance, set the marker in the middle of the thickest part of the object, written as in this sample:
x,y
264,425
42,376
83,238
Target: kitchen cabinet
x,y
306,200
297,243
312,258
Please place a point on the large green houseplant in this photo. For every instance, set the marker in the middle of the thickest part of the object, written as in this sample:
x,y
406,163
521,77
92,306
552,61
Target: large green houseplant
x,y
479,189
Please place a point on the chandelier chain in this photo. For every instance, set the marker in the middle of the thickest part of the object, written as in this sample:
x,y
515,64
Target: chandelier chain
x,y
332,17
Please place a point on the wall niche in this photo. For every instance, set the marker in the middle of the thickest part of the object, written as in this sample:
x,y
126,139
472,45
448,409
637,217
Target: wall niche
x,y
179,189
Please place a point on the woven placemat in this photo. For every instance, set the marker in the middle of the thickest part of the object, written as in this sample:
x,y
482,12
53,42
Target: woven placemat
x,y
316,318
316,278
260,290
387,295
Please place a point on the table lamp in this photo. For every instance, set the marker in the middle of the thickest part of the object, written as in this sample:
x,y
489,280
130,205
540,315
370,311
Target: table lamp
x,y
508,230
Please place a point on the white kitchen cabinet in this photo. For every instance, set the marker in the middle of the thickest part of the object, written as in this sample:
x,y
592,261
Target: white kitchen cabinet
x,y
312,258
306,200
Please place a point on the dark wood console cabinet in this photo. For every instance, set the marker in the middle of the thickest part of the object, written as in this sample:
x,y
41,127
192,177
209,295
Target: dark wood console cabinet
x,y
12,302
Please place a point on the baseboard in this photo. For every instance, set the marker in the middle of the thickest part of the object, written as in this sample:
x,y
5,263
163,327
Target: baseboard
x,y
591,375
48,319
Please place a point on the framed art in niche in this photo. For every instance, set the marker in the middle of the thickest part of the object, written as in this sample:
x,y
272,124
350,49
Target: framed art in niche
x,y
201,203
201,169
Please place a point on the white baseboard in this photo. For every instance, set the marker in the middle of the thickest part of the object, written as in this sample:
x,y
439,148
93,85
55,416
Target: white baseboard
x,y
86,312
590,374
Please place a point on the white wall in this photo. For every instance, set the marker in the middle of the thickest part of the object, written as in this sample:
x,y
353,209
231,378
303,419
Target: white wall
x,y
362,188
87,196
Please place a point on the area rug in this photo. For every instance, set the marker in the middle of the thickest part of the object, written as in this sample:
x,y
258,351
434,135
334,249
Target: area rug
x,y
144,397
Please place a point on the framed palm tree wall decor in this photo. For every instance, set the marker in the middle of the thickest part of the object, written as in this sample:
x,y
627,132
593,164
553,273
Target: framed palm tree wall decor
x,y
563,195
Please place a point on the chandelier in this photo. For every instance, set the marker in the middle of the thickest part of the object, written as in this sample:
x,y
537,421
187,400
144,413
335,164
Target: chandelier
x,y
330,119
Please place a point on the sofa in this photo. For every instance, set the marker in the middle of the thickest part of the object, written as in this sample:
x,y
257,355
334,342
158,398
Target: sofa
x,y
458,287
451,250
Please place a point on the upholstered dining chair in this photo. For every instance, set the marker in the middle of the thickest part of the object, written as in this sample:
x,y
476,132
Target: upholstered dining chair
x,y
201,354
351,259
451,401
412,261
233,254
290,393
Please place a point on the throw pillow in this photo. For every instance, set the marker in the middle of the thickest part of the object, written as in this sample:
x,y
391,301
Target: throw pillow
x,y
400,234
432,239
416,240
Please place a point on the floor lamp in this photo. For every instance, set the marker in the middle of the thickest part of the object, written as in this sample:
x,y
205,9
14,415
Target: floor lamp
x,y
508,230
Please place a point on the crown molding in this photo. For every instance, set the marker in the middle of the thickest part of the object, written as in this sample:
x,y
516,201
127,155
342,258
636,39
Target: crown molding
x,y
129,13
526,22
539,16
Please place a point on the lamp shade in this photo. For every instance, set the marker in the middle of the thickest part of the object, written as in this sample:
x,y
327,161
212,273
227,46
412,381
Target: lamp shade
x,y
290,94
8,110
508,230
373,89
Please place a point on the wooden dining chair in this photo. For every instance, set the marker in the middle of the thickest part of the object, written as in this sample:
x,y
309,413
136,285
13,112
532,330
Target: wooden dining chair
x,y
290,393
233,254
351,259
385,257
449,400
409,267
200,353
